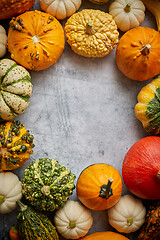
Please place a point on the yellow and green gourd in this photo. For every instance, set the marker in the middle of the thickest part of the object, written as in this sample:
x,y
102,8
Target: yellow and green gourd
x,y
147,110
47,184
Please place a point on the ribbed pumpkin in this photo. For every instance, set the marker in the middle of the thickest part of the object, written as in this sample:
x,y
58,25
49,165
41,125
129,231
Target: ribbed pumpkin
x,y
34,225
15,89
47,184
105,236
99,186
147,110
35,40
16,145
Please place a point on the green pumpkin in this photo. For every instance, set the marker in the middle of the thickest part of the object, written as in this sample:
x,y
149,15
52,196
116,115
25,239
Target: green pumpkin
x,y
47,184
34,225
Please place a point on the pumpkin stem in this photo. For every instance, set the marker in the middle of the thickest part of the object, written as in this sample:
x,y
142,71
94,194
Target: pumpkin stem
x,y
158,175
146,49
72,225
89,29
127,8
15,228
106,190
22,206
129,221
45,190
1,199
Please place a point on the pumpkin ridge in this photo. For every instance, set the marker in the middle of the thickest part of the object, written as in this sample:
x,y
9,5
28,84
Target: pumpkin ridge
x,y
11,110
6,73
23,79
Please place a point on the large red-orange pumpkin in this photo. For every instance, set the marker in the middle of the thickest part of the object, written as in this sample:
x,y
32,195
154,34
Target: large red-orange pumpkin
x,y
99,186
138,53
35,40
105,236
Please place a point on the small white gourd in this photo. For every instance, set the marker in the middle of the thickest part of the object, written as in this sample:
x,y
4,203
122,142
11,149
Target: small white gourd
x,y
128,215
60,8
10,192
73,220
127,13
3,41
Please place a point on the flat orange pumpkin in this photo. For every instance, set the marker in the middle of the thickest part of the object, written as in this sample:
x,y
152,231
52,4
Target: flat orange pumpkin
x,y
99,186
35,40
105,236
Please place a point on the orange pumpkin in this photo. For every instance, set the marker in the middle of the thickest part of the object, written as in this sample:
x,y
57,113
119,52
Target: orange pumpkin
x,y
99,186
35,40
138,53
105,235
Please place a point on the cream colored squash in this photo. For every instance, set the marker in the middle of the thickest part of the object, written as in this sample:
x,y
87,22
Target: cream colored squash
x,y
3,41
10,192
127,13
128,215
73,220
60,8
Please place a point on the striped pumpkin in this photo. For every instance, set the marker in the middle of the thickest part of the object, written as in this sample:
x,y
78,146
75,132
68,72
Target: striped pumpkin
x,y
15,89
34,225
16,145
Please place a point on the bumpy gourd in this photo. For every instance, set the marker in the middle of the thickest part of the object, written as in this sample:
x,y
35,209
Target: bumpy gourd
x,y
3,41
147,108
47,184
15,89
91,33
16,145
34,225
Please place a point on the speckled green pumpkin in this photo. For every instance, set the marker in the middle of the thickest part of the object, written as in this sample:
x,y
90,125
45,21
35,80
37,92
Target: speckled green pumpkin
x,y
34,225
47,184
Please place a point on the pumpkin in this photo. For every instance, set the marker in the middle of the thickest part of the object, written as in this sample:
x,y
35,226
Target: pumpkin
x,y
91,33
128,215
47,184
99,186
73,220
13,233
10,8
15,91
34,225
141,168
10,192
3,41
151,227
16,145
60,8
147,108
104,235
33,46
128,13
137,53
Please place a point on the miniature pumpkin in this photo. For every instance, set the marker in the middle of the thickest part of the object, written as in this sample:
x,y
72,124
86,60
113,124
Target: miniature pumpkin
x,y
105,235
128,215
15,91
10,8
47,184
16,145
99,186
147,108
141,168
13,233
33,46
60,8
3,41
138,53
91,33
10,192
73,220
128,13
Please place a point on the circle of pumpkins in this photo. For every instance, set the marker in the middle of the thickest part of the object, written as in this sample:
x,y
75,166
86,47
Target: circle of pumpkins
x,y
36,40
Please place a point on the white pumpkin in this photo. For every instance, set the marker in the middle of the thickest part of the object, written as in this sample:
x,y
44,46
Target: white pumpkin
x,y
3,41
128,215
15,90
60,8
73,220
127,13
10,192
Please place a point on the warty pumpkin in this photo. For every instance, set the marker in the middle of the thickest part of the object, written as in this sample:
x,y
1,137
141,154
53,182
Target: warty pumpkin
x,y
105,235
138,53
3,41
35,40
91,33
15,89
99,186
16,145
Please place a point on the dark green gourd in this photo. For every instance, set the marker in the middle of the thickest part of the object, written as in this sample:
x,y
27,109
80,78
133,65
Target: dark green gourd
x,y
47,184
34,225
